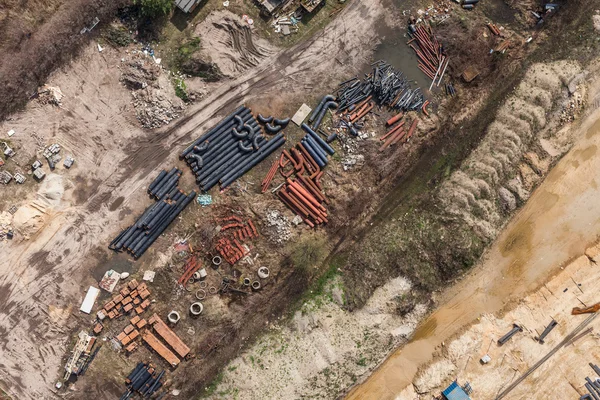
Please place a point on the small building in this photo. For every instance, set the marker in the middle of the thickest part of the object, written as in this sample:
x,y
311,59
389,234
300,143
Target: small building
x,y
455,392
69,162
37,164
20,178
187,6
39,174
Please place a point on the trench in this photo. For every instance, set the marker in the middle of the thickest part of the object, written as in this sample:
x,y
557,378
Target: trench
x,y
558,223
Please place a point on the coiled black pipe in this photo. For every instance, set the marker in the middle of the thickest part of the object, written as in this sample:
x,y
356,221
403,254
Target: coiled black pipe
x,y
264,120
315,112
318,139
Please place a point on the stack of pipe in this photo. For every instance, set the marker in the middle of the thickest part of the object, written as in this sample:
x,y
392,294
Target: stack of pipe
x,y
316,117
137,238
450,90
143,380
316,146
397,133
386,85
191,265
432,58
233,251
230,149
305,198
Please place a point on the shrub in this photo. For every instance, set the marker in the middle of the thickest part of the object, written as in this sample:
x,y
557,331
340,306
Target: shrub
x,y
154,8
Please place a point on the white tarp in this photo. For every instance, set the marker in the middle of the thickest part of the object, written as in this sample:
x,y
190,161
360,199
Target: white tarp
x,y
90,299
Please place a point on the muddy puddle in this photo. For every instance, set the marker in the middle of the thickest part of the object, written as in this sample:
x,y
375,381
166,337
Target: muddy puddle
x,y
561,219
394,50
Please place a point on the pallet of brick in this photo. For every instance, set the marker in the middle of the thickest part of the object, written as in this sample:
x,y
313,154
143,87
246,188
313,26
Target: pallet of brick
x,y
170,337
160,348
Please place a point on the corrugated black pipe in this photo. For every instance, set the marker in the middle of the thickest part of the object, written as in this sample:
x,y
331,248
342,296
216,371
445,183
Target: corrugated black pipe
x,y
213,130
315,112
162,181
317,148
316,156
161,229
318,139
271,146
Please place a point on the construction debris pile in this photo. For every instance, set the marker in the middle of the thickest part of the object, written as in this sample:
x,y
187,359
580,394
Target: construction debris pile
x,y
143,380
386,85
432,58
81,356
232,148
137,238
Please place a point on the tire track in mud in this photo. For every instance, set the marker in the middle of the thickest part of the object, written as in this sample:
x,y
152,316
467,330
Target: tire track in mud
x,y
62,251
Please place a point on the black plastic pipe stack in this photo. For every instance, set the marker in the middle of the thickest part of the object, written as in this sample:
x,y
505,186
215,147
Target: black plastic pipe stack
x,y
232,148
316,146
137,238
144,382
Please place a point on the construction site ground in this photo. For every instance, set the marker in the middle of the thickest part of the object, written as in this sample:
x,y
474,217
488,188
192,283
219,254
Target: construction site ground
x,y
64,224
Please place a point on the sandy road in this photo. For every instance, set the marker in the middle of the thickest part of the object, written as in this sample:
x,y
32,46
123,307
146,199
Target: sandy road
x,y
43,280
558,223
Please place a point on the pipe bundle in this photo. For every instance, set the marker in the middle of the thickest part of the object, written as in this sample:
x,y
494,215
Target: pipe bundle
x,y
305,198
137,238
143,380
232,250
316,146
386,85
397,133
432,58
231,148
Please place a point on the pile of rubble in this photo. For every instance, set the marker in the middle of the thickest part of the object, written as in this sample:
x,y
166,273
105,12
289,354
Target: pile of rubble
x,y
281,226
153,107
571,109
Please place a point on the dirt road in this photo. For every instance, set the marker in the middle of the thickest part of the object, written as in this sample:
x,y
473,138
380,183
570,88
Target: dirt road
x,y
561,219
43,279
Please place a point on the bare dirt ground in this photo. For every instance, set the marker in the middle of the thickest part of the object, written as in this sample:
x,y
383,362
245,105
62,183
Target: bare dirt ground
x,y
43,278
556,226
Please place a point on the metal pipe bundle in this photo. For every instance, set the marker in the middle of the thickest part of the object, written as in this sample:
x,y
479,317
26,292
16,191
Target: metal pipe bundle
x,y
143,380
137,238
386,85
432,58
231,149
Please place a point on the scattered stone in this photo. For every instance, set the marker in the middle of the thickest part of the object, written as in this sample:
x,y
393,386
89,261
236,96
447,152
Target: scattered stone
x,y
281,226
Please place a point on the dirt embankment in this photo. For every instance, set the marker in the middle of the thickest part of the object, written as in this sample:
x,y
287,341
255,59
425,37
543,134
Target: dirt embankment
x,y
44,46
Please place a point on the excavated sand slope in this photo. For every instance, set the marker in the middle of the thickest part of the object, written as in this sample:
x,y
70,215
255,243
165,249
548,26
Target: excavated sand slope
x,y
514,154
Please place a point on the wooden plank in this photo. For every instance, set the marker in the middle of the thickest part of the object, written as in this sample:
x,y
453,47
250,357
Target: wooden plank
x,y
160,348
170,337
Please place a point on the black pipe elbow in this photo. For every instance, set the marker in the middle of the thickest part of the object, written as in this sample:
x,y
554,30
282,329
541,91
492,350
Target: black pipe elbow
x,y
273,129
244,148
239,135
240,122
255,142
201,148
264,120
282,122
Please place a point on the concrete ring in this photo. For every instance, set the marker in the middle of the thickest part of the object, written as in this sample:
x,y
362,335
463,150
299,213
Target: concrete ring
x,y
203,285
200,294
212,290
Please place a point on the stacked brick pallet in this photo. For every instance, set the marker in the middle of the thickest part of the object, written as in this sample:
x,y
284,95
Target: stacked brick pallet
x,y
133,298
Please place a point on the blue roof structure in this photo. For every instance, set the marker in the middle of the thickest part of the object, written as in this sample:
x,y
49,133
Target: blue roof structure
x,y
455,392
